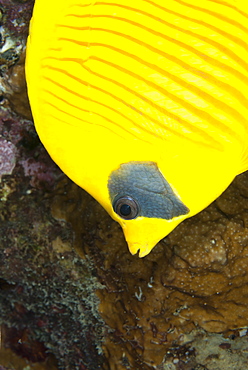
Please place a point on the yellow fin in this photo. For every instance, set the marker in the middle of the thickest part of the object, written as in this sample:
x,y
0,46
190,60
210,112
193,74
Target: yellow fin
x,y
244,162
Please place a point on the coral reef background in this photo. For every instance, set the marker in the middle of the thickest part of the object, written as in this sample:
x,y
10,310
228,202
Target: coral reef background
x,y
71,295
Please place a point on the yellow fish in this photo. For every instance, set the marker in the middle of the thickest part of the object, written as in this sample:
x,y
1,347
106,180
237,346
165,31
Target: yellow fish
x,y
143,103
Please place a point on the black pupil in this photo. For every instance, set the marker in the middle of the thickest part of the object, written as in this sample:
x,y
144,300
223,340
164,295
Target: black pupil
x,y
125,210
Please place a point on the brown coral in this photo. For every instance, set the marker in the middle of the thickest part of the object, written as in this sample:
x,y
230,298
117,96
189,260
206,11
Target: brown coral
x,y
196,277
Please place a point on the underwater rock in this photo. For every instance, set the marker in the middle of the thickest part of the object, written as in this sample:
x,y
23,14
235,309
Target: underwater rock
x,y
206,351
15,89
16,15
14,19
195,278
47,293
7,157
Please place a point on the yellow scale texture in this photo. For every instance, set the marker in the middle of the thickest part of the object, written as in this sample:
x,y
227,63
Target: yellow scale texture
x,y
162,81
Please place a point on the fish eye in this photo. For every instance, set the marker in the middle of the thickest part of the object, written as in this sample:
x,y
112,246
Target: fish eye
x,y
126,207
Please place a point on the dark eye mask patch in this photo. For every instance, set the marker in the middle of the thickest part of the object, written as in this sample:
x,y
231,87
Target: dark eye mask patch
x,y
145,184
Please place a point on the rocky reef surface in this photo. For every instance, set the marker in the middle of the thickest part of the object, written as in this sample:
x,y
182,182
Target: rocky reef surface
x,y
71,295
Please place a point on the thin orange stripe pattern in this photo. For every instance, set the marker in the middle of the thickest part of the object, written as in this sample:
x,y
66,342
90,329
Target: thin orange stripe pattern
x,y
182,82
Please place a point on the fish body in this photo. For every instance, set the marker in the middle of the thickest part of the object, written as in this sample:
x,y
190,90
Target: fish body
x,y
142,103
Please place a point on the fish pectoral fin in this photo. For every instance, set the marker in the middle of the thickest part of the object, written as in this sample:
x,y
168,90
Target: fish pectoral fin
x,y
244,163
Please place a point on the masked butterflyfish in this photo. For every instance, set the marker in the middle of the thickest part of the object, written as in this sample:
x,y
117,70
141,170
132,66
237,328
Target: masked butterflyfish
x,y
142,103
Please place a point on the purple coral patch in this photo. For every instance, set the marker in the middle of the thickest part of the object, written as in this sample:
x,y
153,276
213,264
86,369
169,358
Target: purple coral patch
x,y
7,157
40,172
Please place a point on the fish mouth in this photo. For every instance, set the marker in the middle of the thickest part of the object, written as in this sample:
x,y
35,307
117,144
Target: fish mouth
x,y
142,249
